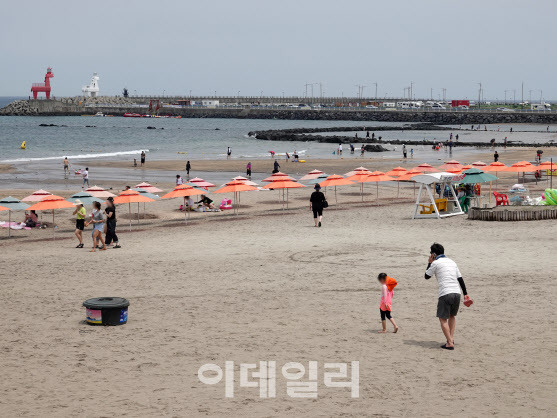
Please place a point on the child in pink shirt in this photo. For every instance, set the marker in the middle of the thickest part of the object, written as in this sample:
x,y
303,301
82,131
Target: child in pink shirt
x,y
387,286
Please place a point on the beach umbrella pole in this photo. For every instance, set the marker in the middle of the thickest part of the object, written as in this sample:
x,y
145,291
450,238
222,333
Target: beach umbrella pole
x,y
9,223
53,235
130,211
377,183
185,211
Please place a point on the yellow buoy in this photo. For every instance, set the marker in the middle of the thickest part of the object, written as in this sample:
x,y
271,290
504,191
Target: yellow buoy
x,y
23,145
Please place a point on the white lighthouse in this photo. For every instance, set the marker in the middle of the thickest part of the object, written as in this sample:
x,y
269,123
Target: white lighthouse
x,y
92,90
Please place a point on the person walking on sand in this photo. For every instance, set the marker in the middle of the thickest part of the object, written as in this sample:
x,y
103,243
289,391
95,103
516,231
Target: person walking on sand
x,y
142,158
188,168
85,176
362,150
97,219
404,153
79,213
248,170
317,203
110,211
276,167
496,156
340,150
66,167
385,306
450,284
228,153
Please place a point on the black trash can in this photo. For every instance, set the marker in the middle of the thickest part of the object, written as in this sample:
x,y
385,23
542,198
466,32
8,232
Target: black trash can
x,y
106,311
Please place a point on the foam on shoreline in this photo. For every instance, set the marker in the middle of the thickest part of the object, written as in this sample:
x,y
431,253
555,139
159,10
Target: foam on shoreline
x,y
74,157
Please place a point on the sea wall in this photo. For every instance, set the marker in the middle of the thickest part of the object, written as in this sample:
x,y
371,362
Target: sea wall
x,y
118,106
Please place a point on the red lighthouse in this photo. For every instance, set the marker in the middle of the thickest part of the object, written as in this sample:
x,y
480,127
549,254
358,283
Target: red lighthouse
x,y
43,87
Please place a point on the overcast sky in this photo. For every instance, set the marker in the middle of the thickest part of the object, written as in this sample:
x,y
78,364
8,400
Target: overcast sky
x,y
278,46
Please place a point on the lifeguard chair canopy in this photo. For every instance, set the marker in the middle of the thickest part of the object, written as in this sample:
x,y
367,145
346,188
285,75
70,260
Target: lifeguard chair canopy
x,y
443,207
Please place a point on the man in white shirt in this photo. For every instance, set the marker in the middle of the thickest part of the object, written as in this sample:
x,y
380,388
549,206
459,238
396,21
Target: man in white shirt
x,y
85,175
450,283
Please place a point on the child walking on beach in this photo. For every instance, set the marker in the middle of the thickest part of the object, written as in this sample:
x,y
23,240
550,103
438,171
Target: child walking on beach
x,y
387,286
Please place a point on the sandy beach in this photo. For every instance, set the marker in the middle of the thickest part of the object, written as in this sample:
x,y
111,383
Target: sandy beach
x,y
268,286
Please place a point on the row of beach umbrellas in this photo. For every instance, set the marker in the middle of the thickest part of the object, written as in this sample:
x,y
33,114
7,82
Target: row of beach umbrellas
x,y
477,172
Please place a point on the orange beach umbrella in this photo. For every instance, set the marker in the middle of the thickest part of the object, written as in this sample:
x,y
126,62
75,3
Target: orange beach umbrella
x,y
235,187
313,174
183,190
129,197
451,165
51,202
147,187
376,177
426,168
359,170
99,192
36,196
278,177
359,175
335,180
397,172
284,185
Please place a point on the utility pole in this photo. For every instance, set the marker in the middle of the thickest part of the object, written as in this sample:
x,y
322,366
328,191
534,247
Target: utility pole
x,y
411,90
444,94
375,91
480,96
506,95
431,93
522,100
514,96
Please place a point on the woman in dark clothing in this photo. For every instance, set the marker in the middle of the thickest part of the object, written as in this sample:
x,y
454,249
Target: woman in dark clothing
x,y
111,224
188,168
316,204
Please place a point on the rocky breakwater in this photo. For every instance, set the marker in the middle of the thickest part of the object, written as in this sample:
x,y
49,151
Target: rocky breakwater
x,y
374,143
68,106
19,108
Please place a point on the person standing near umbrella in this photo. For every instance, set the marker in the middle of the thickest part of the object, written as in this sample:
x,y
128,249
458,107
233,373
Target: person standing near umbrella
x,y
450,283
317,202
111,223
97,220
80,213
85,175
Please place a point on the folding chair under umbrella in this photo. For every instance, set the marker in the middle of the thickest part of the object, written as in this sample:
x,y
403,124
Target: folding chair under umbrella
x,y
129,197
183,190
11,203
236,187
51,202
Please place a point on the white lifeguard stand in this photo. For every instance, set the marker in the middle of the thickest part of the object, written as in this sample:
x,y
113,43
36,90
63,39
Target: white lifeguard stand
x,y
92,90
437,208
